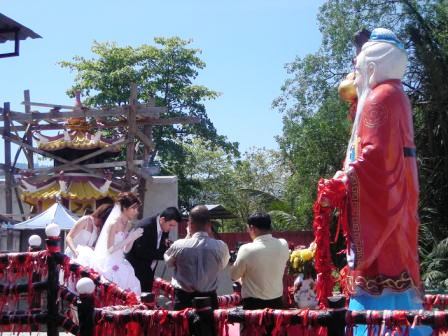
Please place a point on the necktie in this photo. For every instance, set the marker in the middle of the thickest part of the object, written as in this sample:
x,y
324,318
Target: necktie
x,y
160,244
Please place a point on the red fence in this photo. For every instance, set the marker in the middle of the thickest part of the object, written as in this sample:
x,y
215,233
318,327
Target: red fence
x,y
132,318
232,239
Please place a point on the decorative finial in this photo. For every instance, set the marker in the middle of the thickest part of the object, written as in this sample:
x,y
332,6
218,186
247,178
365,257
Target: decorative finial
x,y
78,123
85,286
52,230
34,241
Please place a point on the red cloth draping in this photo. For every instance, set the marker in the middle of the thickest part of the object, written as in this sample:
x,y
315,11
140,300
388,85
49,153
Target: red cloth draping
x,y
383,193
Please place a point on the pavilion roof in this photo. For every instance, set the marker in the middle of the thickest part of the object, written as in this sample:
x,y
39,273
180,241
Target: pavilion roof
x,y
76,140
76,190
8,27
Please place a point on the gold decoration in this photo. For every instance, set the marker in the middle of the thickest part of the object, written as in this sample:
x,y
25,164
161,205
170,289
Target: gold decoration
x,y
375,285
347,89
78,124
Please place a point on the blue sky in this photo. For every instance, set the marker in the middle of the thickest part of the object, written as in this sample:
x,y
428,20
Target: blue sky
x,y
245,44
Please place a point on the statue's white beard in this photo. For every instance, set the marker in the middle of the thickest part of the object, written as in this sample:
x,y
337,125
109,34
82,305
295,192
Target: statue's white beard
x,y
363,91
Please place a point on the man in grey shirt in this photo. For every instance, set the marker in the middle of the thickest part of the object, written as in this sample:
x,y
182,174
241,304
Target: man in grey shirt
x,y
197,260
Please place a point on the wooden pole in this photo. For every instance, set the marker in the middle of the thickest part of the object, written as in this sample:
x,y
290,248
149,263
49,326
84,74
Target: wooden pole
x,y
20,148
8,176
101,165
147,151
52,244
85,314
19,201
55,114
122,123
28,134
131,135
52,156
337,310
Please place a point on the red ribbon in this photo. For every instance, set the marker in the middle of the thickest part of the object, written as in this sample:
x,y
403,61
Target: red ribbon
x,y
222,320
334,193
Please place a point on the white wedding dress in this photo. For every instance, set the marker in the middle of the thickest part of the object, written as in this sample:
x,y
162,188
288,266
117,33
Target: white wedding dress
x,y
118,270
112,265
83,243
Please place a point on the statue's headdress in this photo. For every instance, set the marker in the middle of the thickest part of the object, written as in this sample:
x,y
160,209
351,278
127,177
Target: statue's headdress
x,y
385,35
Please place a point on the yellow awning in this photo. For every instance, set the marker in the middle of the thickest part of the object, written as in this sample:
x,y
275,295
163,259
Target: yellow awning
x,y
32,197
85,191
79,191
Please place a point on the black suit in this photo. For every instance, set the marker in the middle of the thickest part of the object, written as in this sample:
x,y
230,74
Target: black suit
x,y
144,251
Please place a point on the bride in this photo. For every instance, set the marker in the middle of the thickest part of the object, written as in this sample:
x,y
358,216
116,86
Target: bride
x,y
115,239
85,233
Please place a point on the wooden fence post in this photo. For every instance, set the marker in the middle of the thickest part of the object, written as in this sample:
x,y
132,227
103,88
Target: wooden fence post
x,y
34,243
337,311
52,243
85,288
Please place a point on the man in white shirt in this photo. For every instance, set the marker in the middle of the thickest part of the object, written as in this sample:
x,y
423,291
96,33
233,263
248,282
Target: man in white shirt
x,y
197,261
260,265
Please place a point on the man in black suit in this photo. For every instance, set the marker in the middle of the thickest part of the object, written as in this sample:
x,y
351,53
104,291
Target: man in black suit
x,y
150,247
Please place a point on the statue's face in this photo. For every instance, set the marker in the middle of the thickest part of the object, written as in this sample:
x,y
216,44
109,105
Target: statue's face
x,y
359,72
378,62
363,75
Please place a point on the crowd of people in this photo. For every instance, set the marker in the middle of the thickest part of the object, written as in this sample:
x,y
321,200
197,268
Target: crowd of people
x,y
127,254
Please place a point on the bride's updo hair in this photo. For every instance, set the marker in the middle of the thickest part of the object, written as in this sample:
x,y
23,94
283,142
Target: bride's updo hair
x,y
128,199
102,212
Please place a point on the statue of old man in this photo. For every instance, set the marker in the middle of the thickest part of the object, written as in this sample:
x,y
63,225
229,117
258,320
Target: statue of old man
x,y
381,183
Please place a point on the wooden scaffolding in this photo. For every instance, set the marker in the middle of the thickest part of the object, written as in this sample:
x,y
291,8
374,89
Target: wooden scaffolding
x,y
135,119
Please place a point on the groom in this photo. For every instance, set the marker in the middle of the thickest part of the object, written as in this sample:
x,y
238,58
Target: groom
x,y
151,246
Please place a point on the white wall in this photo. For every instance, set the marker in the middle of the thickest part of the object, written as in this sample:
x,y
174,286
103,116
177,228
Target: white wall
x,y
161,192
15,204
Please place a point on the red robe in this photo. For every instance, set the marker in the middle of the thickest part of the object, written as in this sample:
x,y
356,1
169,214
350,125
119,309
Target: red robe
x,y
383,194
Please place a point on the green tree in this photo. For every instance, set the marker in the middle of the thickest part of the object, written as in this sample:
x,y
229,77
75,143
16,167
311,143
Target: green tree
x,y
258,181
310,90
164,72
254,182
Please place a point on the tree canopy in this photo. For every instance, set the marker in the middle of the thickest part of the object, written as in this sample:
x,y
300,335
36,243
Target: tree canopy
x,y
164,72
253,182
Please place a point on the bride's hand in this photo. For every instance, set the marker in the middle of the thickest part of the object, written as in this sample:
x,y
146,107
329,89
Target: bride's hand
x,y
135,234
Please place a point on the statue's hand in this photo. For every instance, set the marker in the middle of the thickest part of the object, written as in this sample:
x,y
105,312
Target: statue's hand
x,y
331,192
340,175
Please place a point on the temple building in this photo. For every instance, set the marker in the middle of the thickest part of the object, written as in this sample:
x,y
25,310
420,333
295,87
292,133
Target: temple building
x,y
76,190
